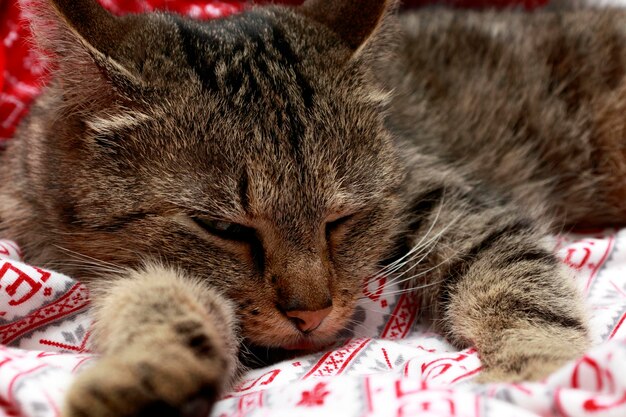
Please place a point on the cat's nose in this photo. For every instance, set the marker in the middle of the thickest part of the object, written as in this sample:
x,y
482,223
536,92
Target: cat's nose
x,y
307,321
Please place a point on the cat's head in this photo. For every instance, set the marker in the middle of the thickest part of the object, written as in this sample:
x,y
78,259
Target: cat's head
x,y
250,151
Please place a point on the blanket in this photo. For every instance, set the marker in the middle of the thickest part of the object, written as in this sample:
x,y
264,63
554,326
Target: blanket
x,y
391,366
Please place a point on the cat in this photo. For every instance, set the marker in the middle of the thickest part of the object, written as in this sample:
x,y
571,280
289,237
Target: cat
x,y
234,182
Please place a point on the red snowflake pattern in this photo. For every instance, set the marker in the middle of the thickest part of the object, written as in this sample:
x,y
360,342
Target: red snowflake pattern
x,y
315,397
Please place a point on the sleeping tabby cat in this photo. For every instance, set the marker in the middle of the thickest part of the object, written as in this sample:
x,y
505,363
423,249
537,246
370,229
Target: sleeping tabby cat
x,y
233,183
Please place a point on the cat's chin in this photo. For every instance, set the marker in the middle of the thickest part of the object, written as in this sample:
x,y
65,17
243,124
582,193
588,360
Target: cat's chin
x,y
255,356
306,345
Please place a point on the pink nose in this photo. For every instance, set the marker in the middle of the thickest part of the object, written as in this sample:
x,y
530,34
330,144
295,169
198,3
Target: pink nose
x,y
307,321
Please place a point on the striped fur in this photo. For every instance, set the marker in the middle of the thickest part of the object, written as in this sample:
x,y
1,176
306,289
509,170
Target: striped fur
x,y
338,143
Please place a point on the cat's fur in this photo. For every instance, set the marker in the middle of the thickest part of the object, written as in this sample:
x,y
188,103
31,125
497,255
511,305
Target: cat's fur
x,y
465,137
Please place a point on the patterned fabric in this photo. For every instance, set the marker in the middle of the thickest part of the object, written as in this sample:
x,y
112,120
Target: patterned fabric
x,y
392,366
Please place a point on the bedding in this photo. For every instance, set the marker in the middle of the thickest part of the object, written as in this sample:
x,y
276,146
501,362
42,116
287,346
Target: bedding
x,y
391,365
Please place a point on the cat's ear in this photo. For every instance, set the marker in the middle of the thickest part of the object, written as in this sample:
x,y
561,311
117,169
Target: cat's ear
x,y
355,21
81,35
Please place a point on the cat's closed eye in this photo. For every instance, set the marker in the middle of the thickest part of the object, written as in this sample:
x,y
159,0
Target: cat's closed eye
x,y
337,223
225,230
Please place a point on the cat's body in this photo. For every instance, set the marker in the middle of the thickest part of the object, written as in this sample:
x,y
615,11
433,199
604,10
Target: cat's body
x,y
552,130
273,161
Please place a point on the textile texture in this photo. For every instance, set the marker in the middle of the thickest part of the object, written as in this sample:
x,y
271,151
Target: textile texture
x,y
391,366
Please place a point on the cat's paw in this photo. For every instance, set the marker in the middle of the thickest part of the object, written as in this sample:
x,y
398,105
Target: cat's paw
x,y
529,362
169,382
528,370
531,354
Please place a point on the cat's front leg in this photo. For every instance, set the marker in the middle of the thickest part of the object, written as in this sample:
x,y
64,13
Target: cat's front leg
x,y
509,296
168,346
497,285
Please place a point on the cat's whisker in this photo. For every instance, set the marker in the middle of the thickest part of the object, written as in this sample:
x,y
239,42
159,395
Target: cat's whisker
x,y
80,265
433,242
417,247
421,273
247,352
84,266
83,256
378,311
429,245
399,263
359,326
413,289
89,263
355,323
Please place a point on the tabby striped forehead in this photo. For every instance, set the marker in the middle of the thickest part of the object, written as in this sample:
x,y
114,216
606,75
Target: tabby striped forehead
x,y
246,57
